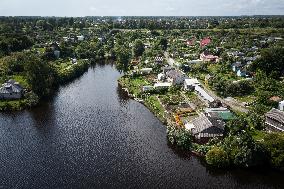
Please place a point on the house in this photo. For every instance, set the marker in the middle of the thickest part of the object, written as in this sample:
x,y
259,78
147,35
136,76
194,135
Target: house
x,y
162,85
274,120
80,38
189,84
206,41
147,88
241,73
73,60
56,53
281,105
236,66
195,61
11,90
201,92
161,77
146,70
208,57
175,77
204,128
235,54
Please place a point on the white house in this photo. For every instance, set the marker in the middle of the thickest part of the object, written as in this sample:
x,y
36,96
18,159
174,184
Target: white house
x,y
195,61
146,70
162,85
189,84
11,90
281,105
80,38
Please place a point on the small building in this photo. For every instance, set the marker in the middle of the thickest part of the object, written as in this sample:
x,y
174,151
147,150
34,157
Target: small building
x,y
199,90
147,88
241,73
274,120
236,66
208,57
189,84
162,85
11,90
146,70
204,128
195,61
175,77
56,53
73,60
80,38
281,105
219,113
161,77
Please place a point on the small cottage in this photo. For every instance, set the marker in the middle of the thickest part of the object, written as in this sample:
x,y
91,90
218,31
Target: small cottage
x,y
11,90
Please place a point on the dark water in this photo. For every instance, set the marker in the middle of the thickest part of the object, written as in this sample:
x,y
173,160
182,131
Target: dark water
x,y
92,136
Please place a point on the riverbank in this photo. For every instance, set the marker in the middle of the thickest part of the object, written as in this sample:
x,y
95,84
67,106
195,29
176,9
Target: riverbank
x,y
255,149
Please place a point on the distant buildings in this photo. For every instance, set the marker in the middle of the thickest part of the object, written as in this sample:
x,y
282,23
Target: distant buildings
x,y
11,90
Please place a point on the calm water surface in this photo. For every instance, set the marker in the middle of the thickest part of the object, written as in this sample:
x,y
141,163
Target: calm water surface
x,y
90,135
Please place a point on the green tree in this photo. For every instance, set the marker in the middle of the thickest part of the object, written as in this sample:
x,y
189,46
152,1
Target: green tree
x,y
271,62
163,43
138,48
40,76
217,157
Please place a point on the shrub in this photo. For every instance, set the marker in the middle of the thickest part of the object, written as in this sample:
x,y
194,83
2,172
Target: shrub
x,y
180,137
217,157
274,143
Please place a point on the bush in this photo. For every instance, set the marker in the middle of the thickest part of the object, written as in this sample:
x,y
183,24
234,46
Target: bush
x,y
274,143
217,157
180,137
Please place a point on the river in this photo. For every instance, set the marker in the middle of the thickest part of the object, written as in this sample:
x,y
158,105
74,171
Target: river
x,y
90,135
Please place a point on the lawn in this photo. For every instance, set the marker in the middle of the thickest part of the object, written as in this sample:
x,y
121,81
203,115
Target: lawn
x,y
134,85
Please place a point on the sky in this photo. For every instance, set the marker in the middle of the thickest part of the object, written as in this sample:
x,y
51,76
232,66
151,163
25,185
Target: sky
x,y
140,7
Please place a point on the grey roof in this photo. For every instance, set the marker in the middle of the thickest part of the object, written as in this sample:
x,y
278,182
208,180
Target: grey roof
x,y
11,87
276,115
204,124
174,74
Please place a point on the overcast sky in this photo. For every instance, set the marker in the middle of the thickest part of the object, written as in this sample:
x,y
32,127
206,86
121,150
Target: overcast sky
x,y
140,7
